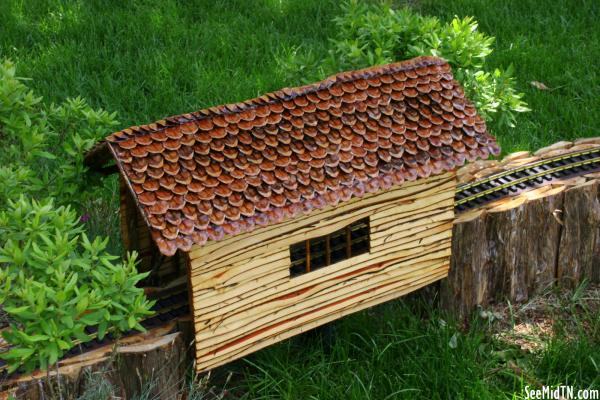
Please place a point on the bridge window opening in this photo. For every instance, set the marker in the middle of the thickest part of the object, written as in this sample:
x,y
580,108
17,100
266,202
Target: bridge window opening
x,y
319,252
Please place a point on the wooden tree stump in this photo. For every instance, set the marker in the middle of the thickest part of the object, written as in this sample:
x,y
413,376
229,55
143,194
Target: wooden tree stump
x,y
579,254
461,291
515,247
153,364
155,369
506,251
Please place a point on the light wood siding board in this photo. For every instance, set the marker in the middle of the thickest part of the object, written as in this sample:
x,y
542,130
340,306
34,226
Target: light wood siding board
x,y
288,332
190,292
282,287
244,299
309,300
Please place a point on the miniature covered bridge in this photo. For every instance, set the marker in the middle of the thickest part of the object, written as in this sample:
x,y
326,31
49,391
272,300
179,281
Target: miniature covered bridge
x,y
298,207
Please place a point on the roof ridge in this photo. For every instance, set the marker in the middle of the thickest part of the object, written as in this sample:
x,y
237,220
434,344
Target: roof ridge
x,y
285,94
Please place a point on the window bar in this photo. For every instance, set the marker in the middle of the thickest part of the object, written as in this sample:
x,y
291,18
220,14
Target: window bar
x,y
342,244
327,250
348,242
308,256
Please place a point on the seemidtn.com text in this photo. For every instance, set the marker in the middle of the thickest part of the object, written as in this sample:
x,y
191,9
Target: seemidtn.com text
x,y
561,392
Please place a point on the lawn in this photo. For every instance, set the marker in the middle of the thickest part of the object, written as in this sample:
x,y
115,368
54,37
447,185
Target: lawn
x,y
556,43
407,350
146,60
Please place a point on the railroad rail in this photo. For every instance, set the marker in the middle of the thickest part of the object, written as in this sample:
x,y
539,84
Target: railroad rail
x,y
513,181
173,303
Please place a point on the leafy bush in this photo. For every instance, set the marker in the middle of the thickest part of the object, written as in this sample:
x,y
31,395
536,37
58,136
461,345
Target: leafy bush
x,y
54,281
43,146
371,33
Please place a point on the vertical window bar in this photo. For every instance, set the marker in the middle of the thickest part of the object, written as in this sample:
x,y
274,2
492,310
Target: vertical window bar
x,y
308,256
327,250
348,242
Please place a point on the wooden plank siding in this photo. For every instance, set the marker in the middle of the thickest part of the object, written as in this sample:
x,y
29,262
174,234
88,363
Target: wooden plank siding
x,y
244,298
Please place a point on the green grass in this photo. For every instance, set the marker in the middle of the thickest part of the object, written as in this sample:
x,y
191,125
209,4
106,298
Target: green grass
x,y
553,42
388,353
410,350
407,350
146,60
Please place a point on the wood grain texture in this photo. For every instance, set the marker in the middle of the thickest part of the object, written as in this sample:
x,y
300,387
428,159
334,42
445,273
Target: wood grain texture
x,y
466,285
521,245
506,251
305,324
579,254
244,298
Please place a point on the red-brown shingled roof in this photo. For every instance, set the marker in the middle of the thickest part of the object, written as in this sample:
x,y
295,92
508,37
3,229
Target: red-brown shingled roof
x,y
233,168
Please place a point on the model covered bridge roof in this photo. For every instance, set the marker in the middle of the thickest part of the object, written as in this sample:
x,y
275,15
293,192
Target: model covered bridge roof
x,y
233,168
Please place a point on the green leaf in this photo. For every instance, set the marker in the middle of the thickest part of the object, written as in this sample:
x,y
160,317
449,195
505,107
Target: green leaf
x,y
63,345
102,329
82,305
53,353
81,336
45,154
131,322
16,310
92,318
67,320
38,338
17,353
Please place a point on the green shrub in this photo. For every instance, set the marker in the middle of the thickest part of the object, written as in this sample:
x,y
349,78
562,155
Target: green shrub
x,y
55,283
371,33
43,146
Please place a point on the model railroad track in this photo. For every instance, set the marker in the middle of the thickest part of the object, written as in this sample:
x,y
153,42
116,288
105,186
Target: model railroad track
x,y
513,181
170,304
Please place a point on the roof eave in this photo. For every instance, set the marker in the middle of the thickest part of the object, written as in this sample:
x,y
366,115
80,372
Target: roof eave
x,y
97,158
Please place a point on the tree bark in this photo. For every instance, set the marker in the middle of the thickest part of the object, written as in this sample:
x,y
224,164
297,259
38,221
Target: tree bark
x,y
516,247
156,370
155,365
463,289
579,254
